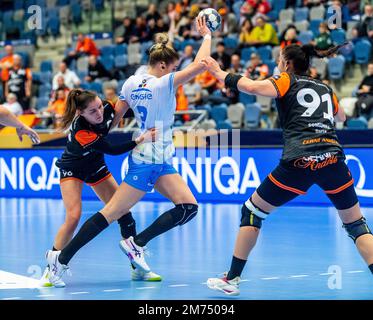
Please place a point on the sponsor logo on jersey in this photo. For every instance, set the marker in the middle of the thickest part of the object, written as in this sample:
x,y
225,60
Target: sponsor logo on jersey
x,y
141,94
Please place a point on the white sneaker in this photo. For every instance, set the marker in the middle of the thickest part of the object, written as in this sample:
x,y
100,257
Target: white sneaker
x,y
45,282
229,287
56,269
139,275
135,253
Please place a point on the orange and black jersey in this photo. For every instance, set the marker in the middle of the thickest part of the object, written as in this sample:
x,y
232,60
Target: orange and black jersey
x,y
306,109
87,143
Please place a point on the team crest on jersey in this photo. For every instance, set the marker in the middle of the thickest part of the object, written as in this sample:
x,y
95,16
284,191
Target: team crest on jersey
x,y
142,93
143,84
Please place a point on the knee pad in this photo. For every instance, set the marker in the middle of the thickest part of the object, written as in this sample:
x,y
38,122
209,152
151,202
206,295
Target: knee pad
x,y
357,229
183,213
251,216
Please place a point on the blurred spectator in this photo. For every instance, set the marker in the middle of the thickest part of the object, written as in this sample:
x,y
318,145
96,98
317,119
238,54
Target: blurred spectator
x,y
85,46
221,56
180,26
126,30
313,3
338,5
13,105
228,22
70,78
96,70
207,81
18,80
152,13
236,66
246,33
161,26
193,92
264,33
171,10
312,72
364,104
139,33
290,37
260,6
7,61
187,57
57,107
323,40
60,86
247,12
110,94
256,70
151,30
365,27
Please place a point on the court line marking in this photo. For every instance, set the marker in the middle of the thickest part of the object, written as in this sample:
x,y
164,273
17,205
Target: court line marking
x,y
12,298
299,276
326,274
81,292
45,295
144,288
270,278
178,285
356,271
112,290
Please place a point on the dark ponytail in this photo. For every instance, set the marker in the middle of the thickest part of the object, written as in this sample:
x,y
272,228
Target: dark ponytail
x,y
76,100
301,55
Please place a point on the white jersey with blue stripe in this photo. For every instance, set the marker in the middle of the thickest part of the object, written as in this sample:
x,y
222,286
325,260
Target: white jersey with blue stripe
x,y
153,102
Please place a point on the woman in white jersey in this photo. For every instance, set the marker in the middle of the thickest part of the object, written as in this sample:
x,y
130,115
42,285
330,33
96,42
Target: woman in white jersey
x,y
152,98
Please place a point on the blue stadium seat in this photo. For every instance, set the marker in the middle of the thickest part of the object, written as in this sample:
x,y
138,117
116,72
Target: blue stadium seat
x,y
53,12
265,52
85,86
54,26
121,61
45,90
96,86
186,43
61,3
18,4
336,67
357,123
362,51
246,53
252,115
273,15
246,98
314,26
99,4
279,5
226,124
301,14
305,37
338,36
82,74
218,113
271,66
108,62
76,11
230,42
107,51
236,9
25,58
46,77
42,103
120,49
46,65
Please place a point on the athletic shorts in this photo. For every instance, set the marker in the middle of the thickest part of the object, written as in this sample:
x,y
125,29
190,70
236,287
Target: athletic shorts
x,y
143,176
90,177
293,178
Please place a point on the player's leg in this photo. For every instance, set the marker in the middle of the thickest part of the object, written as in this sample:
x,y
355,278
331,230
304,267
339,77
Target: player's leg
x,y
337,183
173,187
281,186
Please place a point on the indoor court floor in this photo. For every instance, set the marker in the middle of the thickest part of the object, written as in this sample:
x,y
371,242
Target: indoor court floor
x,y
302,253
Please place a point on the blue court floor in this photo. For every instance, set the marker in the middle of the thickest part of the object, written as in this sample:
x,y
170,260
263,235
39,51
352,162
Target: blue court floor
x,y
302,253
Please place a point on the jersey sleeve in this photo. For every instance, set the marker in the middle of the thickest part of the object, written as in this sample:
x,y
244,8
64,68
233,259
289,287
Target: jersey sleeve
x,y
335,104
123,96
282,83
86,138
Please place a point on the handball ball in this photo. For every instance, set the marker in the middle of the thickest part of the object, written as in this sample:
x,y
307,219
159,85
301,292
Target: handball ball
x,y
213,18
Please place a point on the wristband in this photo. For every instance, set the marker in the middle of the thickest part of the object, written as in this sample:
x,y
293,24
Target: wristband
x,y
231,81
207,37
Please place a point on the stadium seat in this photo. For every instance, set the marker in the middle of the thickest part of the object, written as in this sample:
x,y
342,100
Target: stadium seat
x,y
321,66
226,124
82,74
96,86
252,115
53,13
336,67
302,25
120,49
42,103
18,4
218,113
107,51
46,65
362,51
301,14
99,4
236,8
357,123
314,26
279,5
121,61
108,62
45,90
236,114
317,13
286,14
246,98
338,36
305,37
76,11
246,53
271,66
265,52
46,77
230,42
82,64
54,26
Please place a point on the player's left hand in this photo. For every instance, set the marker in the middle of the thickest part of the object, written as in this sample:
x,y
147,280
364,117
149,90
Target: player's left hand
x,y
201,26
211,64
25,130
148,136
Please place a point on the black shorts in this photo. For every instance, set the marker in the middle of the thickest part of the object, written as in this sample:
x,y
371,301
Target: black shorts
x,y
90,177
293,178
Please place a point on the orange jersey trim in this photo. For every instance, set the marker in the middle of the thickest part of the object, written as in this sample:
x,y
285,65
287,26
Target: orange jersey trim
x,y
70,178
336,104
282,186
281,83
86,137
99,181
345,186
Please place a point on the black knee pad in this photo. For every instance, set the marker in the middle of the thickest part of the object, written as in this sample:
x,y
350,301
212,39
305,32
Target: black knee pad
x,y
250,218
357,229
183,213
